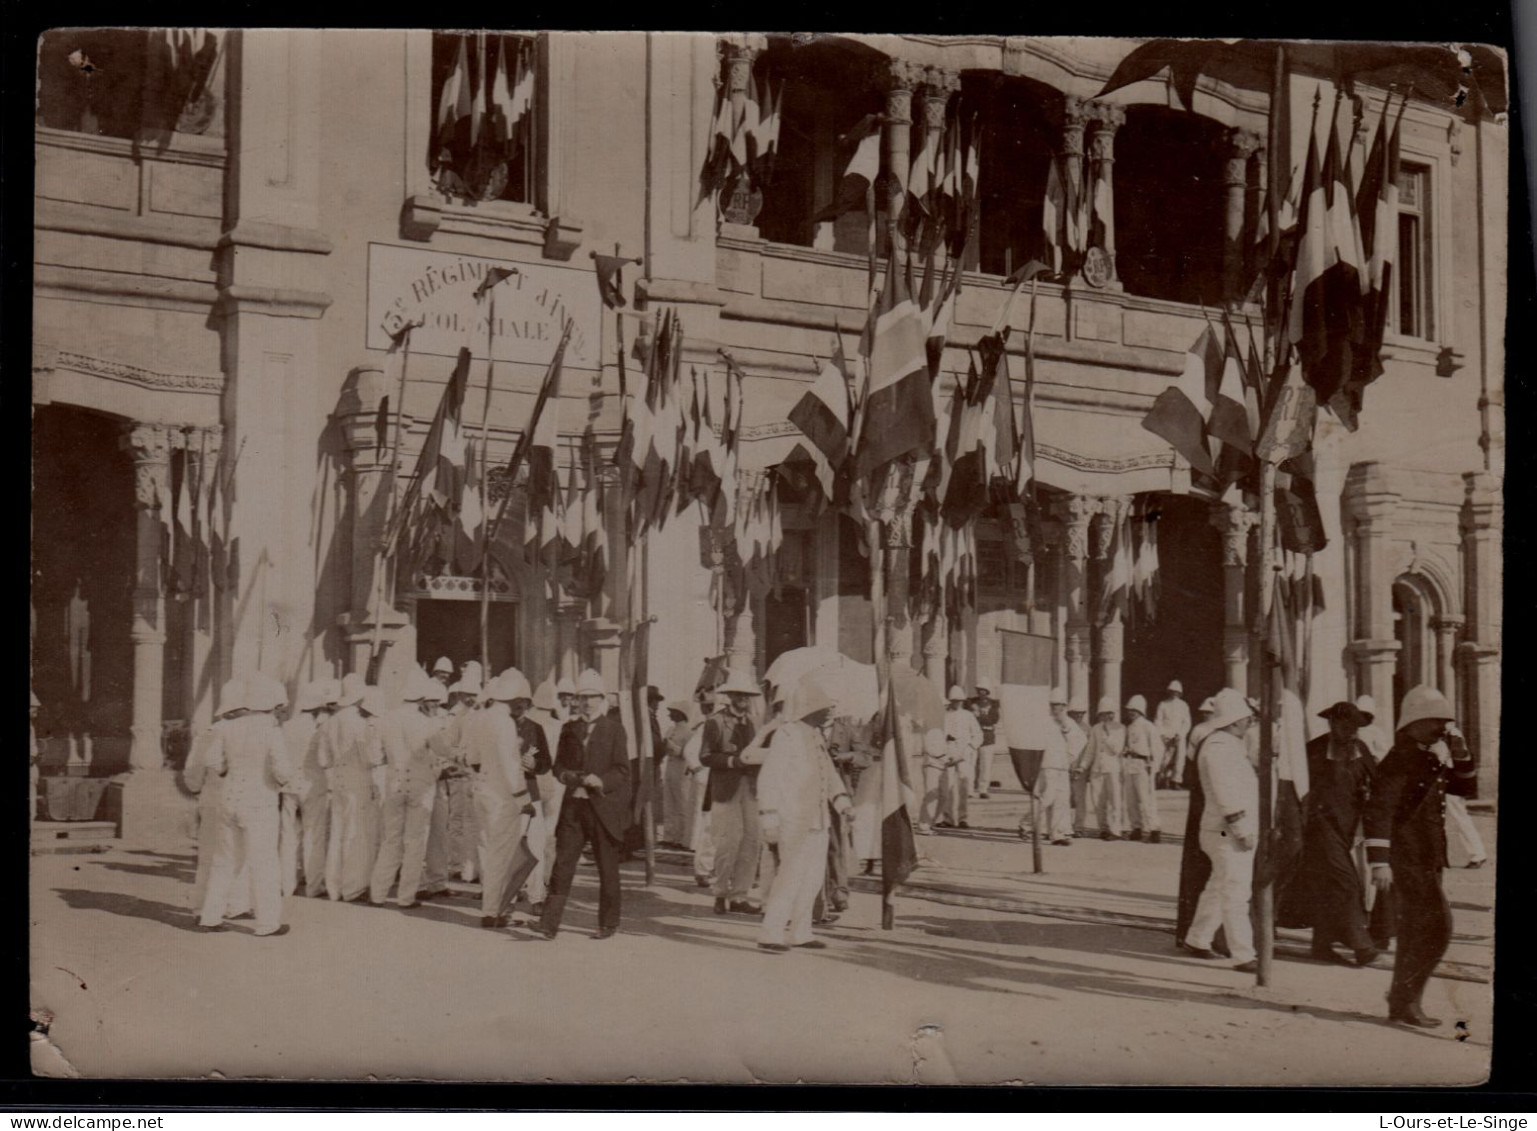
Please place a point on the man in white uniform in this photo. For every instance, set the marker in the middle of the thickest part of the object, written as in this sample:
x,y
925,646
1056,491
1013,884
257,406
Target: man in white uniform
x,y
1065,741
797,786
408,790
1101,763
349,751
503,756
210,801
1144,746
299,733
253,761
1229,833
1173,722
963,739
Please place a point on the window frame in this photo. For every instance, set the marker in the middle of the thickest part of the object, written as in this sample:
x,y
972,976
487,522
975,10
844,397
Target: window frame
x,y
1433,159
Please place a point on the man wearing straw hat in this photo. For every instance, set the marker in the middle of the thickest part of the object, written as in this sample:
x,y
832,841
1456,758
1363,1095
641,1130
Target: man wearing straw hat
x,y
1229,833
1406,840
733,794
797,790
593,763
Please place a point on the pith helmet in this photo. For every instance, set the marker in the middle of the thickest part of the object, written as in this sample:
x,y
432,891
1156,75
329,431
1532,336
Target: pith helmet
x,y
590,683
741,682
808,698
1208,705
330,692
1425,702
1175,685
510,685
232,696
1058,695
564,686
353,690
956,693
416,686
372,702
444,664
263,693
311,697
1228,707
1137,703
1106,705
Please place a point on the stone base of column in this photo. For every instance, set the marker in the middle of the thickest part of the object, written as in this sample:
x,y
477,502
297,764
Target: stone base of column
x,y
156,812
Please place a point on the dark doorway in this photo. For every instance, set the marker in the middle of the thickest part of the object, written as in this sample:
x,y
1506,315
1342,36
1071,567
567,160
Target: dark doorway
x,y
452,629
1183,640
83,557
786,616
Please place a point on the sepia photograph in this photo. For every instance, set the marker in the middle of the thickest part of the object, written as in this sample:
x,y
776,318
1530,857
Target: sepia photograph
x,y
960,559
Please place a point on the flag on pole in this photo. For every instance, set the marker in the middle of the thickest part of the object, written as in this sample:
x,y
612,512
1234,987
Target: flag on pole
x,y
896,413
610,270
823,416
1378,213
858,181
1180,413
899,852
453,103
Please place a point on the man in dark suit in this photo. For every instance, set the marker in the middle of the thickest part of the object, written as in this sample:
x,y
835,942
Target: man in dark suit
x,y
593,763
1406,840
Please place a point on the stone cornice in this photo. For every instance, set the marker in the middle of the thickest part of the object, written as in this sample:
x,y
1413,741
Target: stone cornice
x,y
275,237
46,358
135,290
55,216
288,302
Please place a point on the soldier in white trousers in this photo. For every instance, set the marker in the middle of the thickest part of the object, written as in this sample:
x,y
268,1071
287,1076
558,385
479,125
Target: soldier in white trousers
x,y
1144,746
1229,833
253,761
503,750
299,733
1064,743
209,788
1101,763
407,783
798,787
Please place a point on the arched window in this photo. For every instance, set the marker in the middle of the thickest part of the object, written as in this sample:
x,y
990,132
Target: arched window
x,y
1415,611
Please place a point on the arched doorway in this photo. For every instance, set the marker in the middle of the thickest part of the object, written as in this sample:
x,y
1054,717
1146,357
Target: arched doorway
x,y
1416,611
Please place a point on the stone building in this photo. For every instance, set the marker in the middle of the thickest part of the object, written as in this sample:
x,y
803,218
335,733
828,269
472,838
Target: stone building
x,y
213,275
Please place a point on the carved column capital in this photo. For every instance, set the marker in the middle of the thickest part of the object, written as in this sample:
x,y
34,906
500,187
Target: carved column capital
x,y
938,85
739,53
1238,145
1104,120
149,445
1112,642
1074,513
1234,521
1076,114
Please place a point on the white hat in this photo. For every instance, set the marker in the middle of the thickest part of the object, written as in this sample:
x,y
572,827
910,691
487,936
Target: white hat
x,y
467,686
353,690
263,693
444,664
590,683
544,696
372,702
1366,703
435,691
981,687
311,697
1175,685
742,683
1228,707
232,696
511,684
1138,704
956,692
1106,705
1058,695
564,686
330,692
809,697
416,686
1078,707
1425,702
1208,705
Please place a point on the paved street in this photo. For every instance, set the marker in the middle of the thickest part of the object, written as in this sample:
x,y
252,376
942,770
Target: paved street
x,y
992,975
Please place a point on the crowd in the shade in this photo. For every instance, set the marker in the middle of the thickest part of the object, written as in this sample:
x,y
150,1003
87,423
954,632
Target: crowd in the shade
x,y
778,798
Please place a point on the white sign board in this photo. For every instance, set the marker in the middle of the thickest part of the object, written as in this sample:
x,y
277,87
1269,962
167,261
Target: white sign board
x,y
437,289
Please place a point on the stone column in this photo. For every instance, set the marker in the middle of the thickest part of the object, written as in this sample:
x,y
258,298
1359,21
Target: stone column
x,y
743,199
936,649
742,652
371,483
933,100
1234,521
149,445
1238,146
901,79
602,635
1110,634
1371,503
1482,520
1075,512
1106,119
1447,629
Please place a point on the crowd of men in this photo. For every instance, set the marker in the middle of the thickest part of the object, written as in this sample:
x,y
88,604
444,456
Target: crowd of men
x,y
775,797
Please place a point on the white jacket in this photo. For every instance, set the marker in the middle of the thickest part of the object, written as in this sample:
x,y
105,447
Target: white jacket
x,y
798,782
1230,784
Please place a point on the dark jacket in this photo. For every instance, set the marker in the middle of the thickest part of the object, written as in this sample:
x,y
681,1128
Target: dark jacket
x,y
987,718
1338,788
597,748
533,737
1405,818
725,737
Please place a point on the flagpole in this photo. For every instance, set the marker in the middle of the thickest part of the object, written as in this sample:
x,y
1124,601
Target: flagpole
x,y
382,556
485,550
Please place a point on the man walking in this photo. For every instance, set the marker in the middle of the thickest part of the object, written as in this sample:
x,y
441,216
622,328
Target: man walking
x,y
1144,747
505,748
798,789
963,739
1229,832
1326,892
733,796
348,752
1406,840
1173,722
1101,763
594,767
407,792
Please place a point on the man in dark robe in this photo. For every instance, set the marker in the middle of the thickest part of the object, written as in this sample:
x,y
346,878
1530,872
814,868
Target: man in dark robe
x,y
1326,892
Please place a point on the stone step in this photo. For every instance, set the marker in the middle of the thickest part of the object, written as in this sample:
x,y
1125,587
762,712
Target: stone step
x,y
45,831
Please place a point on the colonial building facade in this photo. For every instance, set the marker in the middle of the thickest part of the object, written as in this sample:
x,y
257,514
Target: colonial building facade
x,y
213,287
